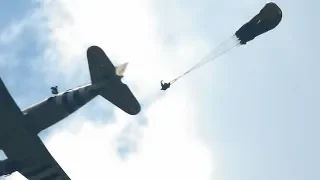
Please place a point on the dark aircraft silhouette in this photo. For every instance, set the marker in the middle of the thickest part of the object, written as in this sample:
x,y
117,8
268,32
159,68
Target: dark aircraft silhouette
x,y
19,129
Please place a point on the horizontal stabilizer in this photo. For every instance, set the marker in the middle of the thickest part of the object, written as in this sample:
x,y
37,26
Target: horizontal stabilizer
x,y
121,96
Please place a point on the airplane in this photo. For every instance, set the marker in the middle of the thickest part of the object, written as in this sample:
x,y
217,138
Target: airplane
x,y
19,130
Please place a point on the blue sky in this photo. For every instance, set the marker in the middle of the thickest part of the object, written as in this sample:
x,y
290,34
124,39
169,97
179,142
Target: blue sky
x,y
251,114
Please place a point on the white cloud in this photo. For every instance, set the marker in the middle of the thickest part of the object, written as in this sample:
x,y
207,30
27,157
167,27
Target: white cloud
x,y
168,147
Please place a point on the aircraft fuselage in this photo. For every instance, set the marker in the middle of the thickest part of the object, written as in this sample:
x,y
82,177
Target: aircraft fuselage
x,y
52,110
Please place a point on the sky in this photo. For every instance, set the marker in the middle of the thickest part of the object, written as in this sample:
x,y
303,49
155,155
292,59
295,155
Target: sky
x,y
250,114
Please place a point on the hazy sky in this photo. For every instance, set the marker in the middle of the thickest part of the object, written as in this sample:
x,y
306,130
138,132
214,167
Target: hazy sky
x,y
251,114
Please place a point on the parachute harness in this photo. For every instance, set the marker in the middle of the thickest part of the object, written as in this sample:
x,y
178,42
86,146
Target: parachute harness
x,y
212,55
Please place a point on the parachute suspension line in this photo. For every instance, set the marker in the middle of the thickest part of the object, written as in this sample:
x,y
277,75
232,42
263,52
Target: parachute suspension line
x,y
201,63
211,56
208,56
205,62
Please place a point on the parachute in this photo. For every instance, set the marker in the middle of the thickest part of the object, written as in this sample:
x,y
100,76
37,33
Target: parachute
x,y
267,19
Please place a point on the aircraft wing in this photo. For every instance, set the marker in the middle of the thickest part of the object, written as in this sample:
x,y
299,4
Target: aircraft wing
x,y
23,147
43,165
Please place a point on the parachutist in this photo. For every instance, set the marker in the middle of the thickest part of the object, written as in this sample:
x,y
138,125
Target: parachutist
x,y
164,86
54,90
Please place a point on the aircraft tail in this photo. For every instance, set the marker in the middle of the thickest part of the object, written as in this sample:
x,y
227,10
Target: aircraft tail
x,y
102,70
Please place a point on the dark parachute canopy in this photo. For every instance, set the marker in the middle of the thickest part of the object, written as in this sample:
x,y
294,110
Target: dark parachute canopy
x,y
267,19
